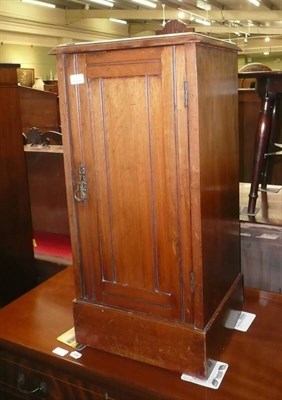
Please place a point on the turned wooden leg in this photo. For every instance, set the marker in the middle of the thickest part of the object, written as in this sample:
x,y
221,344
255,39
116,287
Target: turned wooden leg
x,y
261,144
266,173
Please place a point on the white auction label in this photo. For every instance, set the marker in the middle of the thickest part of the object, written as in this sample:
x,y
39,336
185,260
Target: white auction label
x,y
76,79
60,352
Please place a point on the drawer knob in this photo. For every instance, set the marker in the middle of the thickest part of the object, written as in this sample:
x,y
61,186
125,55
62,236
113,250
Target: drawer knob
x,y
42,388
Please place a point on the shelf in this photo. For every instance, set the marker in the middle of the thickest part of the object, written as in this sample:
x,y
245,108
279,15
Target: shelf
x,y
43,149
52,247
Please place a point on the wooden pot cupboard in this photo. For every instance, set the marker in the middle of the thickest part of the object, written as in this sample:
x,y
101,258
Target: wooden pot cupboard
x,y
17,273
150,131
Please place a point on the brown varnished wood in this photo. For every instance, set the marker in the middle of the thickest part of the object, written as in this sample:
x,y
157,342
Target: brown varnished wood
x,y
45,170
152,41
249,106
47,190
16,253
164,341
174,26
154,164
29,327
214,177
269,88
40,109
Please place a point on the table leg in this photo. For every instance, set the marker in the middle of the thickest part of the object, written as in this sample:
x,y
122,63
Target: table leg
x,y
261,144
267,167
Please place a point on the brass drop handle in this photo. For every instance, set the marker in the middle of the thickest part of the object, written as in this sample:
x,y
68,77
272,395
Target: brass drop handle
x,y
80,186
42,388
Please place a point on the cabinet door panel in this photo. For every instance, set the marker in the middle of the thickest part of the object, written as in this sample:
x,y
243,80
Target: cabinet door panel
x,y
131,157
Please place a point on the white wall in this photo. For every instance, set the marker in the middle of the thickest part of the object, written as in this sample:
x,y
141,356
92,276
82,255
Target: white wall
x,y
30,56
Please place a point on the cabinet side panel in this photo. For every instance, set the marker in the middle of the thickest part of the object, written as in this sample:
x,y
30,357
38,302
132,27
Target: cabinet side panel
x,y
215,161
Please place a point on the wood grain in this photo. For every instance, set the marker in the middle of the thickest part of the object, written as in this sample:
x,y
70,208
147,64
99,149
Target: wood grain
x,y
30,325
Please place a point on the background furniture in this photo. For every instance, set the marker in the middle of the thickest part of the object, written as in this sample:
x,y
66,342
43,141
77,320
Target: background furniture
x,y
261,240
29,328
17,273
46,181
251,82
249,109
153,194
269,88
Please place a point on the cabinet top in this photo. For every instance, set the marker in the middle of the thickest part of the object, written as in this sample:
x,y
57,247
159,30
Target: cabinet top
x,y
148,41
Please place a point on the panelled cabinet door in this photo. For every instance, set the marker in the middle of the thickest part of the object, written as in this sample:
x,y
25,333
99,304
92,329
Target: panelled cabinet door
x,y
129,138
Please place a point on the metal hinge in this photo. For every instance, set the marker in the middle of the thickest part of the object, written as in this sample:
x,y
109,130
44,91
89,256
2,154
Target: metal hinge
x,y
192,282
185,87
80,185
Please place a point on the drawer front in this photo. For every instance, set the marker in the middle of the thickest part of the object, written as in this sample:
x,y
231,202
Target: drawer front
x,y
29,381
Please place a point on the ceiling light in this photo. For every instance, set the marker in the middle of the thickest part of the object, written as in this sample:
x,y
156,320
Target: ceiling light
x,y
267,39
255,2
103,2
119,21
203,5
39,3
266,53
203,21
145,3
181,14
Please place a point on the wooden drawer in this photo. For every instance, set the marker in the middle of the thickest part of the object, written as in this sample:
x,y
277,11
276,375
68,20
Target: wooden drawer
x,y
28,380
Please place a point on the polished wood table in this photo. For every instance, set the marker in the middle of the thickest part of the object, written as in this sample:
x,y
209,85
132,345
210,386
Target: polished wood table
x,y
269,88
30,325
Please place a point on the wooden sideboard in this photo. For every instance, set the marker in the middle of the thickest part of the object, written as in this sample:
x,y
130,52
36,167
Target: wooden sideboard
x,y
30,325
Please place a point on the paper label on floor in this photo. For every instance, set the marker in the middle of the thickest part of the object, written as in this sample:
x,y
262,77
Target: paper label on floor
x,y
69,338
59,351
214,379
244,321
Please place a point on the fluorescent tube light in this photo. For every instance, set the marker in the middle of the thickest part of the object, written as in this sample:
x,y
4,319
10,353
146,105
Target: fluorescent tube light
x,y
203,21
39,3
145,3
119,21
103,2
203,5
255,2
